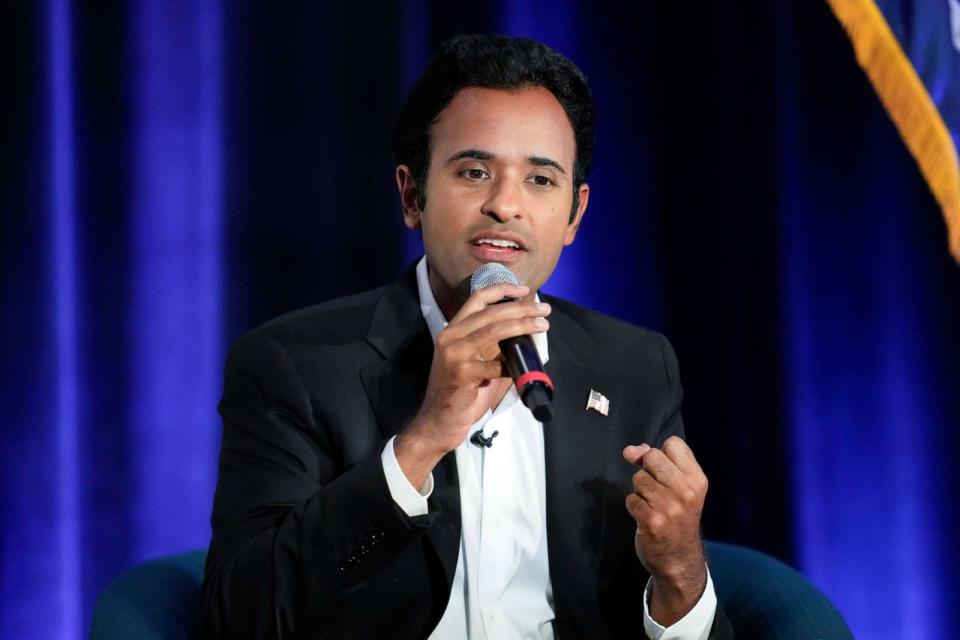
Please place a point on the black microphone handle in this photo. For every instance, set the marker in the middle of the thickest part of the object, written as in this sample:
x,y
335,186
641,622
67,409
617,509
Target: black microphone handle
x,y
521,357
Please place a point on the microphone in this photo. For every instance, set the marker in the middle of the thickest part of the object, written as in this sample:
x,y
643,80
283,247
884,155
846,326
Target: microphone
x,y
478,439
520,354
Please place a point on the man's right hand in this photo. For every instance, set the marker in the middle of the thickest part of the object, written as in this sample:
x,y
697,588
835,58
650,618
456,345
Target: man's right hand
x,y
467,376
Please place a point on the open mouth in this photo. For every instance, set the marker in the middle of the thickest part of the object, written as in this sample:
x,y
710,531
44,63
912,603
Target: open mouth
x,y
497,250
499,244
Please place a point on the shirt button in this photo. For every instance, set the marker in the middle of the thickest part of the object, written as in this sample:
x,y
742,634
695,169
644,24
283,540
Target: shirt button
x,y
497,520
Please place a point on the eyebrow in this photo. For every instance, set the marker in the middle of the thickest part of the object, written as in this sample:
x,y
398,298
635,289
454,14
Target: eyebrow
x,y
540,161
477,154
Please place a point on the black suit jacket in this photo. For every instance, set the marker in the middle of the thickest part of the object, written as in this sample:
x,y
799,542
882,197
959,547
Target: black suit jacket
x,y
307,541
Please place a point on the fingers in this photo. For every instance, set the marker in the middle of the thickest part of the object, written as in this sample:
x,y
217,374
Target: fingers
x,y
646,487
664,463
481,344
467,378
651,523
666,502
667,474
473,371
639,508
475,333
634,453
466,353
498,313
681,455
483,298
494,332
662,469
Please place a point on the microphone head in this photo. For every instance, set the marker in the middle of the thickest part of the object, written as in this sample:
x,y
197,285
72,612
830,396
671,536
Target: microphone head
x,y
490,274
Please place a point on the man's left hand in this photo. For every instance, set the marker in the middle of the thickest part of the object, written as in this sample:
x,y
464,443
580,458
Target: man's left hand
x,y
667,500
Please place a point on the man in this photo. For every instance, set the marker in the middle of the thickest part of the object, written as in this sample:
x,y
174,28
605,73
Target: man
x,y
351,499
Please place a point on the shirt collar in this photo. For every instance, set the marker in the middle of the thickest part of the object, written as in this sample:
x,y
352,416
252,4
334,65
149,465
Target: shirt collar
x,y
436,322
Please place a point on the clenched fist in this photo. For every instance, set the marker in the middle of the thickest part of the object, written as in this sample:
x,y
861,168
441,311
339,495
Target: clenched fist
x,y
667,500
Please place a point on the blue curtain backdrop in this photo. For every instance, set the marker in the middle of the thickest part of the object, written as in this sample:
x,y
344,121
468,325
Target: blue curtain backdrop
x,y
175,173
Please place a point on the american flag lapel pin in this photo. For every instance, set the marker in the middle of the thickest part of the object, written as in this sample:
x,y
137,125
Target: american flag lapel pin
x,y
598,402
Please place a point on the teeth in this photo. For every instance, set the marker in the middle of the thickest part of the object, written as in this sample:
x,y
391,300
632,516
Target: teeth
x,y
499,243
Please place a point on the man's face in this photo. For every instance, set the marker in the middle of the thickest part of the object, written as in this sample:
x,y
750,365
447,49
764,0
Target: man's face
x,y
501,173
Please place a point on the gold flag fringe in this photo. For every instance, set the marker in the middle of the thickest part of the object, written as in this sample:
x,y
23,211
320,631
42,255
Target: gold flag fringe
x,y
908,103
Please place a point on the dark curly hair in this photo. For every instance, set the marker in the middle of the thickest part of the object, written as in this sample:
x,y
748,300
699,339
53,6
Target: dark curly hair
x,y
492,61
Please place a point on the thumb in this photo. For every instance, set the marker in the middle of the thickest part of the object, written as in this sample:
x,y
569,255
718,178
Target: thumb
x,y
634,453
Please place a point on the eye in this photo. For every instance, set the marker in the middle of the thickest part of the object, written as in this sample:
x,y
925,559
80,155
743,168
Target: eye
x,y
474,174
542,181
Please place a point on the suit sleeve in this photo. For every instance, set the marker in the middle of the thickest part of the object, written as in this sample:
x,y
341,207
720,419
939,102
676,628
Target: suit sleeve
x,y
293,534
672,425
672,422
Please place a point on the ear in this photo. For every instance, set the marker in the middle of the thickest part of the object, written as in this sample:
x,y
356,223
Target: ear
x,y
409,192
584,191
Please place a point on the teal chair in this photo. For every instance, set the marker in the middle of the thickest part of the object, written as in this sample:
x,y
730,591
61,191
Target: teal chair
x,y
157,600
767,600
764,599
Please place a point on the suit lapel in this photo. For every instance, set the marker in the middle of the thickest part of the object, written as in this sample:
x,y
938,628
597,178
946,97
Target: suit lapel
x,y
577,443
396,387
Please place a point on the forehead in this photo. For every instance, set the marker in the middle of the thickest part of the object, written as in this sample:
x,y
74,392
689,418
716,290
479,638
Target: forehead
x,y
509,124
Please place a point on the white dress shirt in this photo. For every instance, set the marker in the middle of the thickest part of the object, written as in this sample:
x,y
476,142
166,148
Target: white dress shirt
x,y
501,587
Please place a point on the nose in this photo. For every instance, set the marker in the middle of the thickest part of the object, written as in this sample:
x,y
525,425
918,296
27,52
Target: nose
x,y
503,201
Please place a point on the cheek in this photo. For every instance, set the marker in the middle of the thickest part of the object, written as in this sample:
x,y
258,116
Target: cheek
x,y
438,229
432,234
549,255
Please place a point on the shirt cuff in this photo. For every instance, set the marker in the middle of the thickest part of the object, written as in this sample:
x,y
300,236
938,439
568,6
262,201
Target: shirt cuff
x,y
693,626
413,502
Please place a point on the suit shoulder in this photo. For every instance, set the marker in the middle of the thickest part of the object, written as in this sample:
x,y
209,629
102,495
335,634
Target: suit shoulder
x,y
338,321
608,343
605,329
